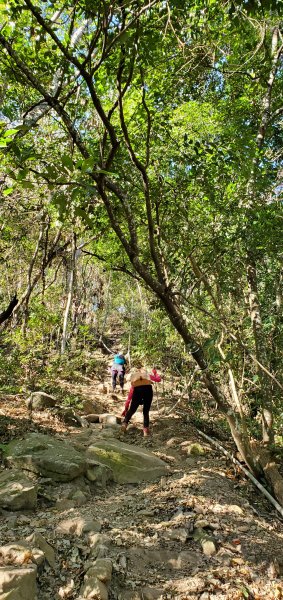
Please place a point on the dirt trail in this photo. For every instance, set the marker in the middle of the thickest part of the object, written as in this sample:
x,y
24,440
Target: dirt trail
x,y
153,530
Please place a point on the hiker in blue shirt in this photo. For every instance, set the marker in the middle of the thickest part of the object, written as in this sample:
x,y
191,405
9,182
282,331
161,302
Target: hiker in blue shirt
x,y
118,370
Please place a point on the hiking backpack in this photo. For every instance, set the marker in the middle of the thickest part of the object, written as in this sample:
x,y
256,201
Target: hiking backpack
x,y
140,377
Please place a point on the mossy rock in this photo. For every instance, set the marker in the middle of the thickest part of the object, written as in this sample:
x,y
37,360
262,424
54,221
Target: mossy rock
x,y
46,456
129,464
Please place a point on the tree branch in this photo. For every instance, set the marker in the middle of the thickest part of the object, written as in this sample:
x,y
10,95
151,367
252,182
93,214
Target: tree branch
x,y
9,310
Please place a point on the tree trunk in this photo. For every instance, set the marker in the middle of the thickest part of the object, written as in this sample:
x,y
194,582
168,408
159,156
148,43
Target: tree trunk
x,y
70,284
237,427
260,345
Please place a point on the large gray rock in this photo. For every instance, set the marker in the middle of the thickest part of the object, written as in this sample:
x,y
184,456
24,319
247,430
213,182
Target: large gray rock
x,y
46,456
130,464
17,492
40,401
18,583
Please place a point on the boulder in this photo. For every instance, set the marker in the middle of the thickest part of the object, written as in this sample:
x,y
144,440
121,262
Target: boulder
x,y
40,401
17,492
97,580
18,583
130,464
46,456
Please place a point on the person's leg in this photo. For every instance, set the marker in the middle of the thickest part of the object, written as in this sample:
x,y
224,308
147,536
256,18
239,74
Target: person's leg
x,y
147,400
121,381
132,409
135,402
114,380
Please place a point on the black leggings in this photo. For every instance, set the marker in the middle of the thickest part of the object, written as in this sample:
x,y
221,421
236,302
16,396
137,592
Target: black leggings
x,y
142,395
120,377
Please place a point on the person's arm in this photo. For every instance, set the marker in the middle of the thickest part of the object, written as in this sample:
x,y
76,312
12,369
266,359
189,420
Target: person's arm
x,y
130,395
154,376
128,401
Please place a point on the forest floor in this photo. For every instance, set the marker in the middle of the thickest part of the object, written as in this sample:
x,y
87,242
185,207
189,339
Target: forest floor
x,y
150,527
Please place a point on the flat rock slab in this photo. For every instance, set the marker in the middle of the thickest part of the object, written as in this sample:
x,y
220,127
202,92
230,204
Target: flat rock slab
x,y
129,464
46,456
17,492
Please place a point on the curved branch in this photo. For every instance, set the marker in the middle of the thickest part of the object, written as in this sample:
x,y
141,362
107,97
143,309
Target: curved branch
x,y
9,310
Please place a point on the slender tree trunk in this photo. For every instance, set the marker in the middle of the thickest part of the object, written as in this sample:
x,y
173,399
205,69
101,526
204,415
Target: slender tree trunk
x,y
260,351
251,204
106,308
70,284
29,278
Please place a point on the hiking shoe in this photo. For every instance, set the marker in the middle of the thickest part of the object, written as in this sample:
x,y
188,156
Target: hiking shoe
x,y
146,431
124,427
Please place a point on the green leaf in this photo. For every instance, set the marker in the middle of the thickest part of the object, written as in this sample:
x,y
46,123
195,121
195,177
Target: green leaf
x,y
75,193
22,174
107,173
60,201
87,165
67,162
7,191
27,185
10,132
84,216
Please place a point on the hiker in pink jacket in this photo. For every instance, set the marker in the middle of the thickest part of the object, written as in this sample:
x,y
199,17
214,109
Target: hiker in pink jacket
x,y
140,393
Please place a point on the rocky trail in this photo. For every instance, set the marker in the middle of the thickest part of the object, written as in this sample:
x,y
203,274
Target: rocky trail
x,y
190,527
